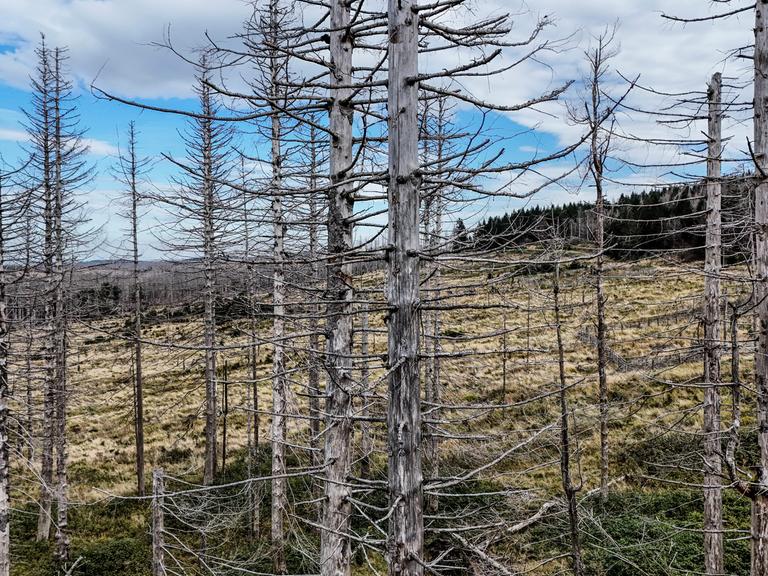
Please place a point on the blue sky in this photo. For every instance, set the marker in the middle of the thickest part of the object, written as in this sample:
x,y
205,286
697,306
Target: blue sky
x,y
109,42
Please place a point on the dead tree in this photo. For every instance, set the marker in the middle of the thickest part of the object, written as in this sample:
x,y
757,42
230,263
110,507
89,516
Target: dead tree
x,y
760,502
313,377
405,544
131,170
13,209
57,171
570,490
713,500
334,543
5,466
158,523
40,129
198,205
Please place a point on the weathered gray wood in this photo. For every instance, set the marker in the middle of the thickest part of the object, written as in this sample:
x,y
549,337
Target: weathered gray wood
x,y
313,376
279,383
366,440
760,503
405,546
569,490
598,156
158,524
138,381
44,89
252,391
60,321
209,289
5,465
334,544
713,499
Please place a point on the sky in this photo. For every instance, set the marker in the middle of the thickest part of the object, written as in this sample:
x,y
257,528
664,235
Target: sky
x,y
113,44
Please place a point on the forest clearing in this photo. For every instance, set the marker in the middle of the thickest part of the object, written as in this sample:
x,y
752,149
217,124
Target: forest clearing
x,y
655,334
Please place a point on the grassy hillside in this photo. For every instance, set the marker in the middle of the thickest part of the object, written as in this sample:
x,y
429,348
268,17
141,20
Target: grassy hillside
x,y
648,525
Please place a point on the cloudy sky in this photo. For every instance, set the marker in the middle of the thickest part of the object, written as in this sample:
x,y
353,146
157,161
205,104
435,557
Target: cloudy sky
x,y
111,43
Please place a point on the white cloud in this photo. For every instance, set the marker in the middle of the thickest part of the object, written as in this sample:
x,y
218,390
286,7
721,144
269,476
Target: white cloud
x,y
95,147
111,39
13,135
100,147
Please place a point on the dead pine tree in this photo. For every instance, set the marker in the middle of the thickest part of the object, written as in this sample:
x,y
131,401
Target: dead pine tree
x,y
313,377
40,129
597,115
131,172
598,154
569,489
60,321
760,501
57,172
12,245
713,499
335,549
198,206
252,389
266,38
405,546
279,381
5,466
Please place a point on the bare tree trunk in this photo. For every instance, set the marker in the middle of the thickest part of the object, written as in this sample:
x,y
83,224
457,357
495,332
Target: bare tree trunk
x,y
313,386
597,172
334,543
713,499
224,416
138,378
279,383
252,392
760,504
60,327
569,489
405,544
158,544
366,442
209,291
437,389
49,386
5,465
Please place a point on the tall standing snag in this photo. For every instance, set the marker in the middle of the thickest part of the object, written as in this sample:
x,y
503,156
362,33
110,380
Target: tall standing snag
x,y
158,550
713,500
5,465
334,543
130,170
406,524
760,502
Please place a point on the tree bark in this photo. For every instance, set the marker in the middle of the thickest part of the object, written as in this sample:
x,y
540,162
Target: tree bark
x,y
569,490
602,360
313,385
713,499
760,505
405,544
158,544
279,383
209,290
49,385
138,375
5,465
334,542
60,327
366,441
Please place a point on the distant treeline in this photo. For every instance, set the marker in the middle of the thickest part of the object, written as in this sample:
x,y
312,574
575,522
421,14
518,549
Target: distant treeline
x,y
637,224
